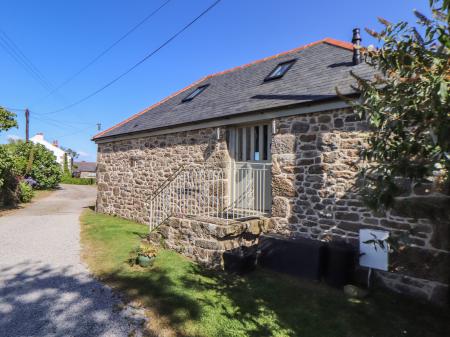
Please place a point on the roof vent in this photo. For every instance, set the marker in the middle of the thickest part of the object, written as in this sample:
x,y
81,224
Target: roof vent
x,y
356,40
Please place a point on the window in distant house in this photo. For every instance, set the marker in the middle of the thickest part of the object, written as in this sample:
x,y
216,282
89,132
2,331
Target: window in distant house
x,y
195,93
280,70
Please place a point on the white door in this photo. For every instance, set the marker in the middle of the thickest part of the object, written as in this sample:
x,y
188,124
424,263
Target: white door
x,y
251,169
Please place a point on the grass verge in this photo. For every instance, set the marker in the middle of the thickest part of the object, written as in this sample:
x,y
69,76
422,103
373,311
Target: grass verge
x,y
186,300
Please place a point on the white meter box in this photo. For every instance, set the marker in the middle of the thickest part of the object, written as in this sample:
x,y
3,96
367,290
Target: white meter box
x,y
374,249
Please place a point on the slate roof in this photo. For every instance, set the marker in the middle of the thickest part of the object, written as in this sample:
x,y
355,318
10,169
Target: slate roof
x,y
320,67
85,166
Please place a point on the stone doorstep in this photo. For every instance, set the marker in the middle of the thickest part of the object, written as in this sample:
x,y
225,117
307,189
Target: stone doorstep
x,y
223,229
207,238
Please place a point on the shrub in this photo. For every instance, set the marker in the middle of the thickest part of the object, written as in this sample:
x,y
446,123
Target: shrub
x,y
25,192
6,165
10,190
77,181
407,105
8,178
36,162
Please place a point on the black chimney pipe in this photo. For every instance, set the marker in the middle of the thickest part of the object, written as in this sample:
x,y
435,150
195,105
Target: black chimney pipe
x,y
356,40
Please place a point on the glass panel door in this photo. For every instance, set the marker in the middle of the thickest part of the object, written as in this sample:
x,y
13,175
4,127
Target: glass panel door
x,y
251,177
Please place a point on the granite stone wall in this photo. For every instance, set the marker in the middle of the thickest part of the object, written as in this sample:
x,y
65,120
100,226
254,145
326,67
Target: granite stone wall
x,y
129,171
315,166
315,161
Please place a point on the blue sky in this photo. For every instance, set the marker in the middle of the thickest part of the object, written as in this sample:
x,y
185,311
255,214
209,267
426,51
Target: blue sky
x,y
60,37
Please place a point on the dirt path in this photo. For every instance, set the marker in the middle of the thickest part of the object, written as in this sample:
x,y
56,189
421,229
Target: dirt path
x,y
45,290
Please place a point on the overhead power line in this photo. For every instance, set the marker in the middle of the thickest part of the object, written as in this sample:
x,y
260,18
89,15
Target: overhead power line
x,y
23,61
72,130
53,121
104,52
86,130
69,123
11,48
173,37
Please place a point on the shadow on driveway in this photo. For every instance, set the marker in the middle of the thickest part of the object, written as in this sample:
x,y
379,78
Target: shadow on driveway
x,y
37,300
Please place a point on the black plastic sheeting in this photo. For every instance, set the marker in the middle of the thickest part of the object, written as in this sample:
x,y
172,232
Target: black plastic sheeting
x,y
300,257
308,259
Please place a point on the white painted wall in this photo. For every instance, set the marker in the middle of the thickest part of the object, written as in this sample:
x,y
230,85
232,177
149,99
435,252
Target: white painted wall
x,y
59,153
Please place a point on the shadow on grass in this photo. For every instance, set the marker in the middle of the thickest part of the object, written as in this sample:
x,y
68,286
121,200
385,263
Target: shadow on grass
x,y
177,307
214,303
304,308
194,301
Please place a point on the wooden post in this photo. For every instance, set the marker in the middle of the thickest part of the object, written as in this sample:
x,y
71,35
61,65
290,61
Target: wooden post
x,y
27,125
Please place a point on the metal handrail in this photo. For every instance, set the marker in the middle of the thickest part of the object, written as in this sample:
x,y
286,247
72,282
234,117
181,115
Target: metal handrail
x,y
208,190
161,186
173,176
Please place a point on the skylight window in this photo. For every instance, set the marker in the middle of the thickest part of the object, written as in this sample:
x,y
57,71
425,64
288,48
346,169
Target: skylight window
x,y
280,70
195,93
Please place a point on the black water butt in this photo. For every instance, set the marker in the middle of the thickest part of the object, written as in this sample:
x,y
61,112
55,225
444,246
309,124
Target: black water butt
x,y
340,262
298,257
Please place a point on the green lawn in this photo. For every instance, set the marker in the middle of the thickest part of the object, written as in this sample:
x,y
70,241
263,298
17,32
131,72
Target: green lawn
x,y
187,300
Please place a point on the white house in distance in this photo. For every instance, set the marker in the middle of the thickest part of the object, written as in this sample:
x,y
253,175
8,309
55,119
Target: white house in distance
x,y
57,151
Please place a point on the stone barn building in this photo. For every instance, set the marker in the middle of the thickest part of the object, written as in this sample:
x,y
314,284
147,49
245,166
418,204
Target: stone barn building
x,y
266,147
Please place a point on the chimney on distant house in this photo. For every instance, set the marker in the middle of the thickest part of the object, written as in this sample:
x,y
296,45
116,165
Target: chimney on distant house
x,y
356,40
55,143
39,136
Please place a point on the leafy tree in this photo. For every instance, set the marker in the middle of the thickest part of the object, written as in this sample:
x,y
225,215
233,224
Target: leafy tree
x,y
7,119
8,180
407,106
71,152
66,170
5,164
73,155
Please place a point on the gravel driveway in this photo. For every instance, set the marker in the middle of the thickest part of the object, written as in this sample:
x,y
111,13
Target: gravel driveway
x,y
45,290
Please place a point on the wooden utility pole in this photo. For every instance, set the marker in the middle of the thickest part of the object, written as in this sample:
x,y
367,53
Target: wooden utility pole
x,y
27,125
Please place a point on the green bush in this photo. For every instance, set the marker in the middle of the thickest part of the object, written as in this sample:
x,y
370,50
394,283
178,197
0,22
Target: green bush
x,y
77,181
35,161
26,192
8,178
